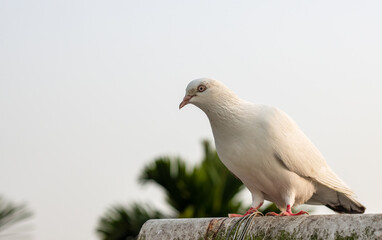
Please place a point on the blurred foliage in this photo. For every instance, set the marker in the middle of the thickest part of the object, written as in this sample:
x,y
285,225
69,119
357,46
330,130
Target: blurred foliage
x,y
11,214
206,190
120,222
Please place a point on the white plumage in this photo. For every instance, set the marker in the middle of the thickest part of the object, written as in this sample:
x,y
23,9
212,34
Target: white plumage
x,y
268,152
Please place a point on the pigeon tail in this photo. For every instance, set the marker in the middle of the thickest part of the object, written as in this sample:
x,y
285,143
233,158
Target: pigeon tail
x,y
337,201
347,205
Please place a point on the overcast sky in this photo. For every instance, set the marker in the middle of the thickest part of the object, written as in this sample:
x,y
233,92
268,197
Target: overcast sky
x,y
89,93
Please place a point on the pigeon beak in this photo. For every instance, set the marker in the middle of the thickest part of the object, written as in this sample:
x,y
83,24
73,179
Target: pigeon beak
x,y
185,101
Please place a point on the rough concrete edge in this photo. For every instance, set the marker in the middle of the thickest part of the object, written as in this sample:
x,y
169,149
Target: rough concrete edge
x,y
337,226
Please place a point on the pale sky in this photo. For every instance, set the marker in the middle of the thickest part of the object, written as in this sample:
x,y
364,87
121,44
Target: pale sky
x,y
89,93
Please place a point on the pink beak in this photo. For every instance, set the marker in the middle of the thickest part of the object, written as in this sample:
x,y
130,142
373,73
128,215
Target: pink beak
x,y
185,101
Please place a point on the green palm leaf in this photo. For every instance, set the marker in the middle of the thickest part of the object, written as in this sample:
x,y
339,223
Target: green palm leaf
x,y
121,223
11,214
206,190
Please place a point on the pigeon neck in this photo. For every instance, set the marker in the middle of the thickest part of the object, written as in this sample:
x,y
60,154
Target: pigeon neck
x,y
225,113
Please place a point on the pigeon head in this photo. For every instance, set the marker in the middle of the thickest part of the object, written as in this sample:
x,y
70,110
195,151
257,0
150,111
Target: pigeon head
x,y
206,93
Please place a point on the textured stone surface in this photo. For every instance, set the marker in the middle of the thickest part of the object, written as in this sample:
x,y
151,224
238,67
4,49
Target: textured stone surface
x,y
338,226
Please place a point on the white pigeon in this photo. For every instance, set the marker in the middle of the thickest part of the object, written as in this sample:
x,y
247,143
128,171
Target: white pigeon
x,y
268,152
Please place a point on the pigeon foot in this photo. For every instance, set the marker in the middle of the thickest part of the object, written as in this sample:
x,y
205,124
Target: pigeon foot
x,y
250,211
288,212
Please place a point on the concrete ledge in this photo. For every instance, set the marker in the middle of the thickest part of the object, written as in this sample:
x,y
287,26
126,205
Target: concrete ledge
x,y
338,226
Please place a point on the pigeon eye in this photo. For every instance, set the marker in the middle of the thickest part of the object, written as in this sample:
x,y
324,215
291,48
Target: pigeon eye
x,y
201,88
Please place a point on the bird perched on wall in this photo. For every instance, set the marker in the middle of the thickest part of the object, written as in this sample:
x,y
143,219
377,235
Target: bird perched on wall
x,y
268,152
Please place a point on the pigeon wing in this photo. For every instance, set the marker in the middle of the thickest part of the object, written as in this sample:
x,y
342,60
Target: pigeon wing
x,y
299,155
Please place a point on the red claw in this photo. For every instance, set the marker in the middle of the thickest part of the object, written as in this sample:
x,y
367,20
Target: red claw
x,y
288,212
250,211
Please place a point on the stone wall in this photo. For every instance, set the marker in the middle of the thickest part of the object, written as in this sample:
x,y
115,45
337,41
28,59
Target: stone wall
x,y
337,226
